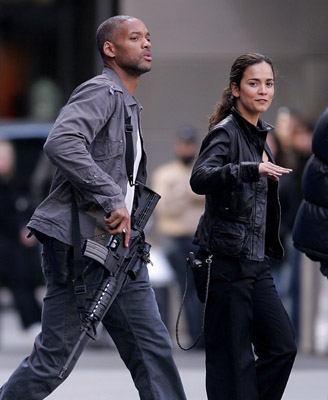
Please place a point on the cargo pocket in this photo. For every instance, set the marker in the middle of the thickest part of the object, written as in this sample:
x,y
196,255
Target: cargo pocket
x,y
60,257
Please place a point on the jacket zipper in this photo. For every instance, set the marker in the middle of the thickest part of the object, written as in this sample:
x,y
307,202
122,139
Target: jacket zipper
x,y
254,154
279,222
279,214
254,217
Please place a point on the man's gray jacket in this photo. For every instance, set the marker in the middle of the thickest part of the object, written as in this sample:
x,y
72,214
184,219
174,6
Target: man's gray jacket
x,y
87,144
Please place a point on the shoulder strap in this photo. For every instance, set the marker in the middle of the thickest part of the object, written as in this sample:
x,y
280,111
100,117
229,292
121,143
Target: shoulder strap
x,y
79,285
129,154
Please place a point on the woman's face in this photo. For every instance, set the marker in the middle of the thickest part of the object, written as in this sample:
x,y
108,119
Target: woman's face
x,y
256,90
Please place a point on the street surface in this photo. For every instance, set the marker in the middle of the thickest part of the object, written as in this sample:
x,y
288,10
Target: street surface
x,y
101,375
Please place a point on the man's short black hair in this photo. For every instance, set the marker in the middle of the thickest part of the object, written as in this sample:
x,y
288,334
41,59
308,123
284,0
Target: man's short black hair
x,y
109,29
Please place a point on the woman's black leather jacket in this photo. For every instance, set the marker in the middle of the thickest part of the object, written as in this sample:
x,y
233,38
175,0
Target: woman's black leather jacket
x,y
242,211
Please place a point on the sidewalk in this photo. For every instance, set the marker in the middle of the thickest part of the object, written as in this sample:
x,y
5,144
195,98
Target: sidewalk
x,y
101,375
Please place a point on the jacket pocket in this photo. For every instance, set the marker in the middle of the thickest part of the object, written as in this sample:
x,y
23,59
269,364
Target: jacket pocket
x,y
104,148
228,238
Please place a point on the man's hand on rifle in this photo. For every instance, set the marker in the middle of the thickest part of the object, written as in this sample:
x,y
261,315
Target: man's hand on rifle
x,y
119,221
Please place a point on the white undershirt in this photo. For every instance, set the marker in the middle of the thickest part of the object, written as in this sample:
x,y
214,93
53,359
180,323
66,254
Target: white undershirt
x,y
130,189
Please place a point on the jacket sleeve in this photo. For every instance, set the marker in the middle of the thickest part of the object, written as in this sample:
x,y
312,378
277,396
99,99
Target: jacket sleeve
x,y
213,169
86,113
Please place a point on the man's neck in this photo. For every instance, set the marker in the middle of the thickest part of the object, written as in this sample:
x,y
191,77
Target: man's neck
x,y
130,82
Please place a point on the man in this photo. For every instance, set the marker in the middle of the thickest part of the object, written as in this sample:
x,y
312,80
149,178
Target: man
x,y
87,144
177,215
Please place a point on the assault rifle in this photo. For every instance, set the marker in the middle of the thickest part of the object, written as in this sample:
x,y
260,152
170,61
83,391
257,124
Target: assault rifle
x,y
119,261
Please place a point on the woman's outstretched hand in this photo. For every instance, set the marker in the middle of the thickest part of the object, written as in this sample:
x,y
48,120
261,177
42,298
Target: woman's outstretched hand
x,y
272,171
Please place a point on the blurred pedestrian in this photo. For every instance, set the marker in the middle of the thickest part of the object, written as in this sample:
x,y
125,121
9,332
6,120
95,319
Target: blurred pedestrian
x,y
236,172
281,269
88,144
177,215
16,272
301,141
301,138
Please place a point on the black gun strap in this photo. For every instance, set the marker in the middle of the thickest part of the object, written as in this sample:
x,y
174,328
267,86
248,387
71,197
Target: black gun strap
x,y
129,153
79,285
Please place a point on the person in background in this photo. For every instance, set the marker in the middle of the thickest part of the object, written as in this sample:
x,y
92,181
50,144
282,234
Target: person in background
x,y
249,339
292,141
177,215
88,144
280,269
300,152
301,142
16,271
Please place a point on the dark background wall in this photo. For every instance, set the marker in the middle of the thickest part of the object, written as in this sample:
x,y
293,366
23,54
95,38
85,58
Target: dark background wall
x,y
45,39
194,45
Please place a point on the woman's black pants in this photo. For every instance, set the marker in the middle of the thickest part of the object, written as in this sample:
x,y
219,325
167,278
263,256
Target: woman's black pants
x,y
249,340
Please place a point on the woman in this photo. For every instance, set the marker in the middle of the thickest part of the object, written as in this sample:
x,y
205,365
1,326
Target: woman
x,y
236,234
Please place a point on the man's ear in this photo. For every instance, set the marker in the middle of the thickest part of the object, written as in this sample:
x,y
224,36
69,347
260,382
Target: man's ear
x,y
234,89
109,49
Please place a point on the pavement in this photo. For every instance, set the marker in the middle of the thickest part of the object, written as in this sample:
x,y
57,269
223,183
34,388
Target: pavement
x,y
101,375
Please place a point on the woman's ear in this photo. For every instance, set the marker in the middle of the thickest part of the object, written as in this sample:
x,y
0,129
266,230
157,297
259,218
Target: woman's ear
x,y
234,89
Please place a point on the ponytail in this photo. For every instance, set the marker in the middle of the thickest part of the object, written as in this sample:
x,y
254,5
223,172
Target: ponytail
x,y
223,108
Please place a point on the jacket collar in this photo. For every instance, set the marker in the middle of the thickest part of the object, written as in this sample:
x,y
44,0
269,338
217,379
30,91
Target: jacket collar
x,y
256,134
262,127
128,99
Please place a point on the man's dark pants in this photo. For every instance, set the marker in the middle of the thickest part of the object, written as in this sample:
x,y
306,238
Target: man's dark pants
x,y
133,321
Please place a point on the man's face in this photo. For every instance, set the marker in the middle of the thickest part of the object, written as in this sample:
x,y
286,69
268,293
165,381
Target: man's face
x,y
133,48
